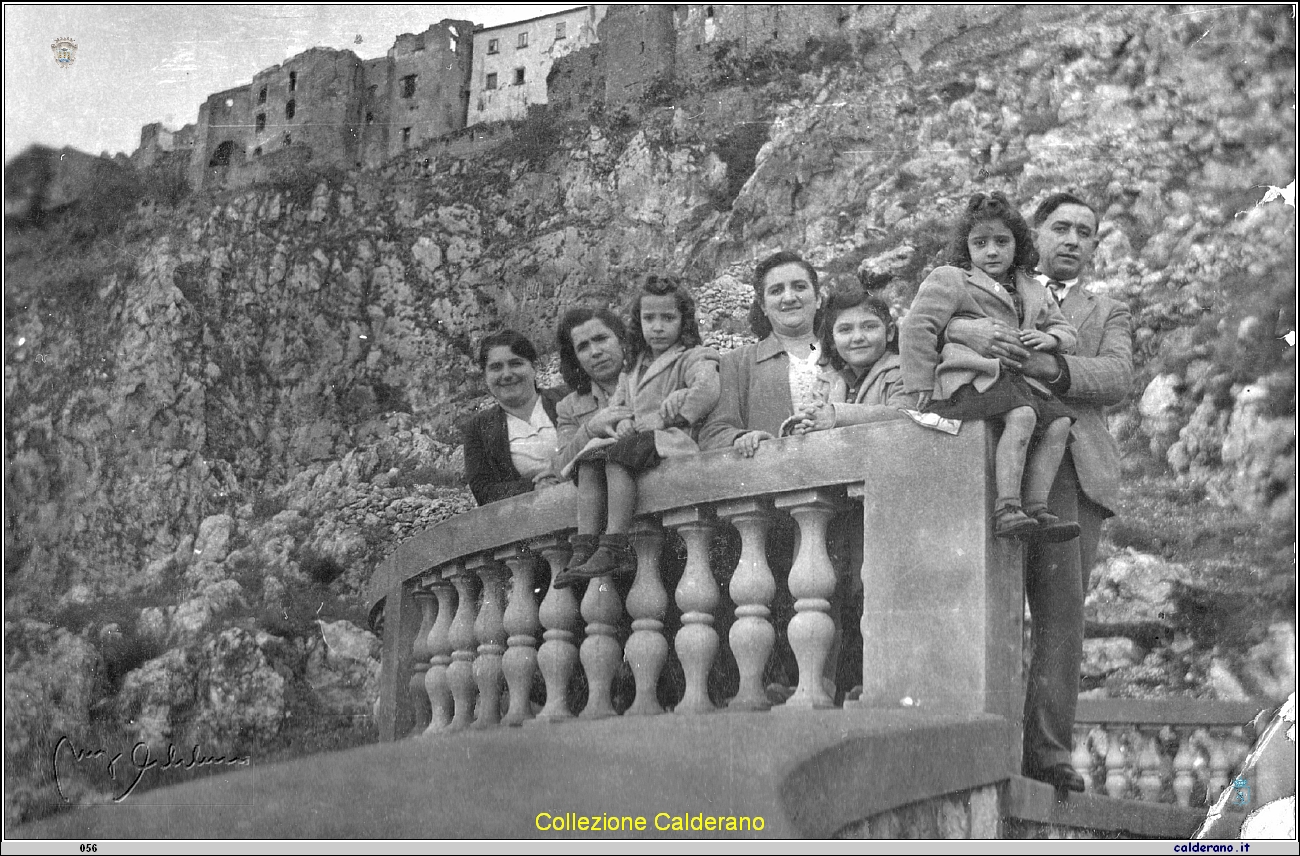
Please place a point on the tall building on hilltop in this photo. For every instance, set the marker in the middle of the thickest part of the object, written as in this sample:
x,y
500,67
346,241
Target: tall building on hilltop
x,y
512,61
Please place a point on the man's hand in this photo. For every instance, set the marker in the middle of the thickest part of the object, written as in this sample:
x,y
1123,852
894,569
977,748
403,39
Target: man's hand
x,y
671,409
604,422
923,398
989,338
747,444
546,478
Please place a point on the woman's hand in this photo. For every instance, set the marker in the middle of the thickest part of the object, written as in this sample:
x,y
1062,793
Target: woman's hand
x,y
923,399
671,409
813,417
1038,340
546,478
747,444
604,423
625,429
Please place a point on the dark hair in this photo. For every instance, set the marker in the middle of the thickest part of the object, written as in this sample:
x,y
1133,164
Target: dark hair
x,y
1056,200
570,369
993,206
517,342
841,301
757,318
658,285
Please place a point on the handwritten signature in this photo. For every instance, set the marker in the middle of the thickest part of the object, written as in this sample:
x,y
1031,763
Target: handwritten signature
x,y
141,761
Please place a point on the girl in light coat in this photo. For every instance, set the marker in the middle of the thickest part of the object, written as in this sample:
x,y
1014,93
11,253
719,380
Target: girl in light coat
x,y
670,383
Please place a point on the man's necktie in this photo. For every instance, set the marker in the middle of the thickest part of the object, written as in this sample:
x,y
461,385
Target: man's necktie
x,y
1058,290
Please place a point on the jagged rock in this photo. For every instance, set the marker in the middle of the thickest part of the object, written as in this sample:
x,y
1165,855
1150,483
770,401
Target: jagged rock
x,y
343,668
1159,408
1271,665
1225,684
242,698
1132,588
194,616
156,697
1101,657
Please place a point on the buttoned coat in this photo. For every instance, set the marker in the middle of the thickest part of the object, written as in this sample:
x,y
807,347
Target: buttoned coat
x,y
880,395
488,468
652,380
932,365
1101,374
755,394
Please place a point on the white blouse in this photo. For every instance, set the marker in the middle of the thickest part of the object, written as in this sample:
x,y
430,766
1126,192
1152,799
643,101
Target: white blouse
x,y
803,378
532,443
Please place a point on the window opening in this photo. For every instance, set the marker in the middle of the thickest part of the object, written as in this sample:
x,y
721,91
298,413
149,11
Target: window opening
x,y
408,86
290,109
492,81
293,81
261,96
261,122
523,40
519,77
494,46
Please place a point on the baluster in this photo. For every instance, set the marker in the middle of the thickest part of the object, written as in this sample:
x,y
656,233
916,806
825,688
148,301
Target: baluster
x,y
647,604
559,615
752,588
1149,763
600,652
490,630
1185,769
1116,758
520,660
436,681
1220,765
420,662
460,674
697,596
1081,757
812,584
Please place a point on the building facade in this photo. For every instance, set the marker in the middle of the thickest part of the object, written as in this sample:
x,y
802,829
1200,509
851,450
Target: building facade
x,y
512,61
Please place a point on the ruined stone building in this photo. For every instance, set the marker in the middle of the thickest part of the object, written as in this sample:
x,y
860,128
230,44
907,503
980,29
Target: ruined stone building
x,y
420,91
328,107
512,61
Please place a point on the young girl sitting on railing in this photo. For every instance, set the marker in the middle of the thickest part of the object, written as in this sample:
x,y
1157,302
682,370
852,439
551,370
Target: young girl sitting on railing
x,y
994,253
671,383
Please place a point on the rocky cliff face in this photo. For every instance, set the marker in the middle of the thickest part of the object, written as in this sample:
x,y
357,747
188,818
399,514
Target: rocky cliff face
x,y
221,412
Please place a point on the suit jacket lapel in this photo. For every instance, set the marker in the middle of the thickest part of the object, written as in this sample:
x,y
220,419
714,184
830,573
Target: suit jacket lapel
x,y
1079,304
500,438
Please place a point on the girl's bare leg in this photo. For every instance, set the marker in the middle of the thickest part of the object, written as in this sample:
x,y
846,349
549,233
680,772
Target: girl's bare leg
x,y
1044,462
591,498
622,499
1017,426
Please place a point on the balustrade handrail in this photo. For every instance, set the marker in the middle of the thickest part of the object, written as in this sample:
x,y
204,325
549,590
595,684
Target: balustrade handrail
x,y
791,463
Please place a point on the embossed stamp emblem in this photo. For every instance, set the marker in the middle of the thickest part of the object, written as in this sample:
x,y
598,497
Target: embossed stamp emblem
x,y
65,51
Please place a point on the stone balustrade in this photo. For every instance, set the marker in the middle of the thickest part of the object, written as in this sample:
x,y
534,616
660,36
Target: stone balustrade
x,y
1180,752
473,631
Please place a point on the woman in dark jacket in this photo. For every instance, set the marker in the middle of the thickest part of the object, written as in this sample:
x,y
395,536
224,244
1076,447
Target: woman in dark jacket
x,y
509,446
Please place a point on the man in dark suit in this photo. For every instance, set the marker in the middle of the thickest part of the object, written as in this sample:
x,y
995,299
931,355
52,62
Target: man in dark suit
x,y
1099,373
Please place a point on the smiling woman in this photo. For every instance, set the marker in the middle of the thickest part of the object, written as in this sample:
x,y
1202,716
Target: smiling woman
x,y
763,383
509,446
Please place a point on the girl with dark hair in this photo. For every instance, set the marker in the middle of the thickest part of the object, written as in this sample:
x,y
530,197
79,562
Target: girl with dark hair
x,y
994,257
670,383
863,381
509,446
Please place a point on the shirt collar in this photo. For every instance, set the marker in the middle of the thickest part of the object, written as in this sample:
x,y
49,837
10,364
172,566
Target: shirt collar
x,y
1066,284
